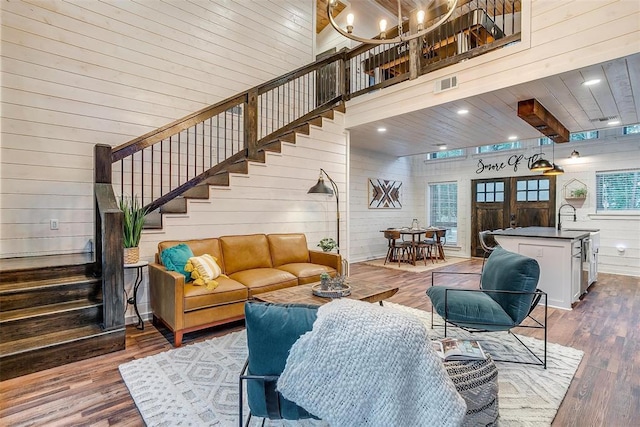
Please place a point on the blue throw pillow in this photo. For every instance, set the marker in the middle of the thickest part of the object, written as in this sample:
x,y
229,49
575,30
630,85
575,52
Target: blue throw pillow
x,y
175,258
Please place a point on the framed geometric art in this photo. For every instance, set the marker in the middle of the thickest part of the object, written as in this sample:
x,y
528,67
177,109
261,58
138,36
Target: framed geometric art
x,y
384,194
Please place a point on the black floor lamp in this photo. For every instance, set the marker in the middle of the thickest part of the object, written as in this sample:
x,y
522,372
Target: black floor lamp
x,y
321,188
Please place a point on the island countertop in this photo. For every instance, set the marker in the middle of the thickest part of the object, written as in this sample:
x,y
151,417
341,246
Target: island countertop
x,y
542,232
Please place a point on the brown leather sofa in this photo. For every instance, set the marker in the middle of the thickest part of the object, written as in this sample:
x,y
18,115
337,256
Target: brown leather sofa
x,y
253,263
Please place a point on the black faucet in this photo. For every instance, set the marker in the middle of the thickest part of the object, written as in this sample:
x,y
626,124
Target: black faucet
x,y
560,214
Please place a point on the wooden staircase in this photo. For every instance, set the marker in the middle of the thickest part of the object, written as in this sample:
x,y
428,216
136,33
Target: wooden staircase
x,y
51,315
178,205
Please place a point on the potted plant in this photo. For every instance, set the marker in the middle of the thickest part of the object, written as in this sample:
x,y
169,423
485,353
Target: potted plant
x,y
132,222
327,244
579,193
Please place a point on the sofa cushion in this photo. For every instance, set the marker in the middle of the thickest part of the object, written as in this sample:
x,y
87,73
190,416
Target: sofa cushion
x,y
288,248
241,253
199,247
264,279
227,291
176,257
307,272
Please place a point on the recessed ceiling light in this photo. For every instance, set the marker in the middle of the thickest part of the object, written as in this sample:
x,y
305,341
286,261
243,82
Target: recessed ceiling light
x,y
513,137
382,129
463,111
442,147
613,122
591,82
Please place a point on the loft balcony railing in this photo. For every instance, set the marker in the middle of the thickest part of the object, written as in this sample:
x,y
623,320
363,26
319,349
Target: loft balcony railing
x,y
474,28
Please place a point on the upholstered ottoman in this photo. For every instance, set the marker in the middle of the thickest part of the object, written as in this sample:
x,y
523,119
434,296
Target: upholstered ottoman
x,y
477,383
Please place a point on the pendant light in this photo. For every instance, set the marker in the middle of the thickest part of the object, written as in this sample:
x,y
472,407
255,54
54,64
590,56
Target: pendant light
x,y
555,169
541,164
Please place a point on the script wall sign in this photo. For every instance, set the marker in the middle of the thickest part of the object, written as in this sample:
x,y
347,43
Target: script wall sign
x,y
384,194
513,161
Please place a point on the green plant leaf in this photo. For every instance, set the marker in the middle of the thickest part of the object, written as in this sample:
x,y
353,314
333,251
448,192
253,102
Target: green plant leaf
x,y
132,220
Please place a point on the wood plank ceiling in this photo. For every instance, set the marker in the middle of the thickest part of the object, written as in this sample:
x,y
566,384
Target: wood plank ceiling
x,y
492,117
322,20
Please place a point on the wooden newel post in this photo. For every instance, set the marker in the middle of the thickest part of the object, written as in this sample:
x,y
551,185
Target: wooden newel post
x,y
109,249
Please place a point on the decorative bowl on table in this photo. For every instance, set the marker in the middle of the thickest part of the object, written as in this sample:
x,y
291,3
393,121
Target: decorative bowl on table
x,y
335,287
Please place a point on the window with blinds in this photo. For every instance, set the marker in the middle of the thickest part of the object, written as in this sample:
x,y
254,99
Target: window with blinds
x,y
618,191
443,209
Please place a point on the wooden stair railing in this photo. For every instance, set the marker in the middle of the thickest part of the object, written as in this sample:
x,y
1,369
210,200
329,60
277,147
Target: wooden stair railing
x,y
170,161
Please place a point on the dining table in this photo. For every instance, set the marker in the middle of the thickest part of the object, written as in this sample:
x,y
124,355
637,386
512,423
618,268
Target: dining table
x,y
416,234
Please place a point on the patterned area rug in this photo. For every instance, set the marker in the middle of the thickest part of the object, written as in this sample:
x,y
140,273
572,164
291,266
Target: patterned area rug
x,y
418,268
197,385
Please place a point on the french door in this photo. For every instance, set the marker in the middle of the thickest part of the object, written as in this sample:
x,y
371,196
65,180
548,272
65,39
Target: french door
x,y
525,201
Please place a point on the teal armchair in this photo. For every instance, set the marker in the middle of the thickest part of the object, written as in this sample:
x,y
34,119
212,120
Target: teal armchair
x,y
271,331
506,298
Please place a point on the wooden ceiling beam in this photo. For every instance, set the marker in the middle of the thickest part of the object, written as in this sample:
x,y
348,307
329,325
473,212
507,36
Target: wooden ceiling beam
x,y
532,112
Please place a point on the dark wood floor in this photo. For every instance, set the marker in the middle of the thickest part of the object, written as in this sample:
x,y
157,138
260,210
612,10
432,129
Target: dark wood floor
x,y
604,392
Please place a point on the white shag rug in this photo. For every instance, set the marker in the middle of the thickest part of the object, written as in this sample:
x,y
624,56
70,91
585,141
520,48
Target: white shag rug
x,y
197,385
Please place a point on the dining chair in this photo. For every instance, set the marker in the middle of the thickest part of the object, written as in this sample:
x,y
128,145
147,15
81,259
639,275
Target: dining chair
x,y
441,240
425,247
397,249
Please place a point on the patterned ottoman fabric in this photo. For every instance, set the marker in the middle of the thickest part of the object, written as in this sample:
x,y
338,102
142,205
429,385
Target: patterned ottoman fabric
x,y
477,382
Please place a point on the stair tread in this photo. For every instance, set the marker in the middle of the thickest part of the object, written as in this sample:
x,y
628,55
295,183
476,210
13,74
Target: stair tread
x,y
24,313
46,340
45,283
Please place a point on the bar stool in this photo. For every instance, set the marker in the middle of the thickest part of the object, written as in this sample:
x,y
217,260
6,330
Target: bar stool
x,y
486,247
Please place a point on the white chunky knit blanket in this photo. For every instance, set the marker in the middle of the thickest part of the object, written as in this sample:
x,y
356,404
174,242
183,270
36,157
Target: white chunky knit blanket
x,y
367,365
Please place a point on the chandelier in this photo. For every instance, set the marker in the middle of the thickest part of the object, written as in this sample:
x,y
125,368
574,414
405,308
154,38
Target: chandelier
x,y
382,25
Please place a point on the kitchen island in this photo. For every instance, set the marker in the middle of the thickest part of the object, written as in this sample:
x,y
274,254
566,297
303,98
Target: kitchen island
x,y
559,254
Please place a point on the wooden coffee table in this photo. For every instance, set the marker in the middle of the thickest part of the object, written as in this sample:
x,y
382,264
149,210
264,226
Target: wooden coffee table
x,y
360,290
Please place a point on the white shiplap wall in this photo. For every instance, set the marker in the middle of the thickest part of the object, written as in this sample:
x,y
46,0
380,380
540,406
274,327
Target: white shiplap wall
x,y
613,152
272,198
607,153
77,73
365,239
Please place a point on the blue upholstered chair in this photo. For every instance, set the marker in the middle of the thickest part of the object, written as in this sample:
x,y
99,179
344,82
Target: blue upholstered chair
x,y
271,331
507,296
